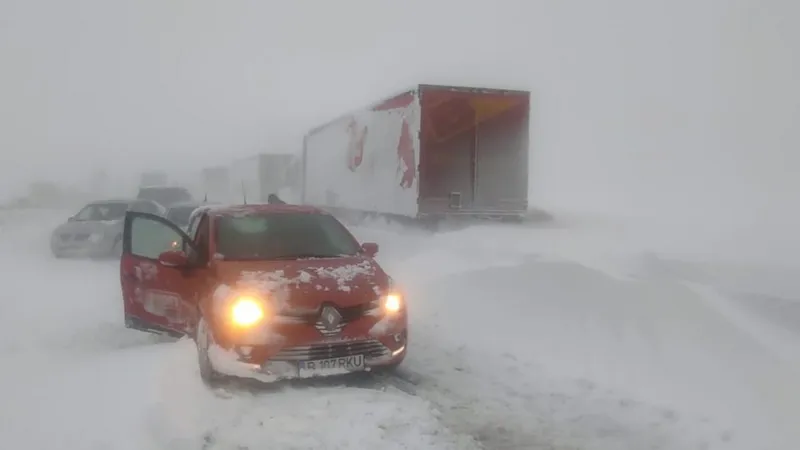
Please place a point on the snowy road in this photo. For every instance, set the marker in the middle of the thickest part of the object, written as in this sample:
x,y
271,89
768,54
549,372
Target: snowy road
x,y
82,381
521,339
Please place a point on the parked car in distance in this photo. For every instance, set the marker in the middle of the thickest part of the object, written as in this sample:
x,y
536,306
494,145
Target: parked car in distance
x,y
96,230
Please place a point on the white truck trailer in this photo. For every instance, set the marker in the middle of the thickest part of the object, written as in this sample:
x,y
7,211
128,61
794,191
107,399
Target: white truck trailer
x,y
432,152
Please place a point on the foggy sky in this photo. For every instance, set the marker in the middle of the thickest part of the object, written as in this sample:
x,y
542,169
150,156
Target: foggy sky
x,y
639,105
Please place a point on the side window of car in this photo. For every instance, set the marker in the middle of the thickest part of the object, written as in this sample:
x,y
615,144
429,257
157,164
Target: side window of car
x,y
199,236
150,238
194,220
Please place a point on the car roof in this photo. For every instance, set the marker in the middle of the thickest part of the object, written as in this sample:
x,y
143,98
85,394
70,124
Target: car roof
x,y
261,208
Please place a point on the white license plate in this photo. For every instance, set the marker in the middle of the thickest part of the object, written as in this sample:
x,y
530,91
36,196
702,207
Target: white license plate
x,y
331,366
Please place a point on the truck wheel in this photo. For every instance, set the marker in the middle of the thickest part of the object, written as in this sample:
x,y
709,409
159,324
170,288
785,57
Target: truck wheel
x,y
203,340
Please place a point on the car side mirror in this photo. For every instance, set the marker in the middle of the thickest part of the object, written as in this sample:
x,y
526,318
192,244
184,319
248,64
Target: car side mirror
x,y
173,258
370,248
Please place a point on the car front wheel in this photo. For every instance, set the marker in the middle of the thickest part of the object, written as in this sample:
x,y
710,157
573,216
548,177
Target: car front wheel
x,y
204,339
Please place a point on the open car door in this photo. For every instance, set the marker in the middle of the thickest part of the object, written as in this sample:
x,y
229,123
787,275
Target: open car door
x,y
157,298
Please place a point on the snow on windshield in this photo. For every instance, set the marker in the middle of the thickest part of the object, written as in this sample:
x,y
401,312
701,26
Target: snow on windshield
x,y
283,236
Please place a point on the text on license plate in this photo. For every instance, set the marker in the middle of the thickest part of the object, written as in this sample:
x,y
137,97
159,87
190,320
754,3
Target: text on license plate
x,y
344,364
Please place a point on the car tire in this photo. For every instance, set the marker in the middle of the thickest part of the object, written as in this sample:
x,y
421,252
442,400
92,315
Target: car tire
x,y
203,340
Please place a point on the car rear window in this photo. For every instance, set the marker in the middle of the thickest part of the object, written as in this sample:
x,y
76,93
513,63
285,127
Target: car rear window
x,y
283,236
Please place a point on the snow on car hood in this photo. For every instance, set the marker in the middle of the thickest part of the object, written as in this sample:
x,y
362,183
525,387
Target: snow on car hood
x,y
305,284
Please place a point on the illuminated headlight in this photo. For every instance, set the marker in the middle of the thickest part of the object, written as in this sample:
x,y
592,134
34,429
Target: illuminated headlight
x,y
393,302
95,237
247,311
390,303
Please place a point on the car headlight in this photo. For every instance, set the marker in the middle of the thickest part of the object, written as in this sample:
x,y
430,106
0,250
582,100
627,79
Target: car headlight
x,y
392,302
95,237
247,311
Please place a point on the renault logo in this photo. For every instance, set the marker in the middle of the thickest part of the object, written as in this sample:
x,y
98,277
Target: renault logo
x,y
330,318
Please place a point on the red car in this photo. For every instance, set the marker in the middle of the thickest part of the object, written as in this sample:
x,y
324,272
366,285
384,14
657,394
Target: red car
x,y
266,292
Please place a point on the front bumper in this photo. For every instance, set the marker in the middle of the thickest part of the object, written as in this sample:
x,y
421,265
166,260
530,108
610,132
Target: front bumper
x,y
377,342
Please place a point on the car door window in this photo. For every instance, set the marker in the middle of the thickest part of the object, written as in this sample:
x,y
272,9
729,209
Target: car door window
x,y
150,238
194,220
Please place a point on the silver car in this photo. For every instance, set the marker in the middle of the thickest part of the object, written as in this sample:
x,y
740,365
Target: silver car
x,y
96,230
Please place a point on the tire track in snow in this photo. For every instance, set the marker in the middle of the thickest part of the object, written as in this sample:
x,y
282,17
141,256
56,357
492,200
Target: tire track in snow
x,y
542,412
518,406
348,412
773,387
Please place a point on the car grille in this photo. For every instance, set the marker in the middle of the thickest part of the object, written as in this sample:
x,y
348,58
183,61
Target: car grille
x,y
349,314
323,330
81,237
328,333
369,348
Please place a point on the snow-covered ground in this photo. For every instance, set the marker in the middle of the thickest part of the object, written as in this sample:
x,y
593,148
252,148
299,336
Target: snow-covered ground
x,y
584,336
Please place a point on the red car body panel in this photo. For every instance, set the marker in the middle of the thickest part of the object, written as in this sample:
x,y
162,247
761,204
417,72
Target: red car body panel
x,y
158,296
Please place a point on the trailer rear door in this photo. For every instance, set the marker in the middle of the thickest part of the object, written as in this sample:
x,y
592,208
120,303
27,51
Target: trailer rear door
x,y
474,151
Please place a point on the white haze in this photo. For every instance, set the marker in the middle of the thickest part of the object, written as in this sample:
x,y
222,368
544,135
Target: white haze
x,y
666,108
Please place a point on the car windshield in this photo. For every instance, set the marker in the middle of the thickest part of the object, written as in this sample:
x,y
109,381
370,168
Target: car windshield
x,y
180,215
102,211
283,236
165,195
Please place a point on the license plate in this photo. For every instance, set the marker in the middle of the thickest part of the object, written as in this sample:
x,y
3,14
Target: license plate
x,y
331,366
